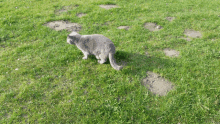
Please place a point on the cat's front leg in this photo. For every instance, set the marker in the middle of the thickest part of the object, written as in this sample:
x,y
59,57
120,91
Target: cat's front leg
x,y
85,55
97,57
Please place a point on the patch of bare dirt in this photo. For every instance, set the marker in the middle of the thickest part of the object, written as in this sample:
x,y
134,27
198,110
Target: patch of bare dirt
x,y
124,27
186,38
171,52
170,18
108,6
156,84
152,26
80,15
63,25
65,9
107,23
146,53
192,33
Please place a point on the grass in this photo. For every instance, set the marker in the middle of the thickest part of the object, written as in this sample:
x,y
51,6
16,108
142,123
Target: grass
x,y
44,80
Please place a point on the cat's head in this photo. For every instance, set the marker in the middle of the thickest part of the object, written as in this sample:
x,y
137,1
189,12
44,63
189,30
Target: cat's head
x,y
73,38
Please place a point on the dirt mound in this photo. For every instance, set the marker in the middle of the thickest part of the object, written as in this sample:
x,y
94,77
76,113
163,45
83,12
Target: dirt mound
x,y
170,18
152,26
63,25
192,33
156,84
187,38
171,52
80,15
65,9
124,27
108,6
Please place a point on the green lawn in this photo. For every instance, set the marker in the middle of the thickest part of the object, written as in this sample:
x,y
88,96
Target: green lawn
x,y
45,80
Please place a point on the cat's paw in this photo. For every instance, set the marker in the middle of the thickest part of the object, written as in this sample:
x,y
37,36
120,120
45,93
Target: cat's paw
x,y
101,62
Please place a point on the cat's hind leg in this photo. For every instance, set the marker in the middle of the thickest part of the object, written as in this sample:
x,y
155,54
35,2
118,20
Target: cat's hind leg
x,y
103,58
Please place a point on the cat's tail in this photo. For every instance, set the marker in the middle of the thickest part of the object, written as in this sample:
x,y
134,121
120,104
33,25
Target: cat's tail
x,y
113,62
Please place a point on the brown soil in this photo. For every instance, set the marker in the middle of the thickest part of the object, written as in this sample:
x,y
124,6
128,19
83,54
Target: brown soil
x,y
65,9
187,38
152,26
193,34
63,25
124,27
108,6
80,15
171,52
170,18
156,84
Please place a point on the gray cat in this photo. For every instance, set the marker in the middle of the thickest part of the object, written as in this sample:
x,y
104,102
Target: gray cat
x,y
95,44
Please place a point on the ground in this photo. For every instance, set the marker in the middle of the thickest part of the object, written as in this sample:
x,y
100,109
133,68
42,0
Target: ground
x,y
153,82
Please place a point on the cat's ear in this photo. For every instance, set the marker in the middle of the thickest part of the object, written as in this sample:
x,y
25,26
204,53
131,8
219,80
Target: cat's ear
x,y
77,37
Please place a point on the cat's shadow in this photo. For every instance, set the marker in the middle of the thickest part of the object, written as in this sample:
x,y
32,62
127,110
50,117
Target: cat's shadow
x,y
138,63
121,57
